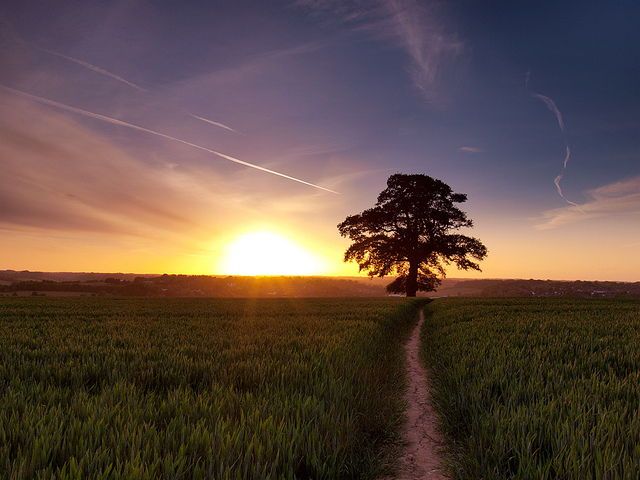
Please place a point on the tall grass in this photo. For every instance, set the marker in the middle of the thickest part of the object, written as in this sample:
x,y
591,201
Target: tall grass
x,y
200,388
537,388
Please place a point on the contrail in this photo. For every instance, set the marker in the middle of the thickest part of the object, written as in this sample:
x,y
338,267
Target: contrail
x,y
215,123
135,127
90,67
552,106
559,177
11,33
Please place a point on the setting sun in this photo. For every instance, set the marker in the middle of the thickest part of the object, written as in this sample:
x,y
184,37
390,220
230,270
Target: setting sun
x,y
265,253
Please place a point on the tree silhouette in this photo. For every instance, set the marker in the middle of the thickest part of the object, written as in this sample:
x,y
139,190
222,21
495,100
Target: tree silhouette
x,y
409,232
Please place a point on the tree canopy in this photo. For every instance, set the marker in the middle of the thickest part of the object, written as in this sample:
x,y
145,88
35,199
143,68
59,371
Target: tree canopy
x,y
411,232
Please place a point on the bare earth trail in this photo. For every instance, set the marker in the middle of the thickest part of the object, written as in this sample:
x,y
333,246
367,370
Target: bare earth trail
x,y
421,458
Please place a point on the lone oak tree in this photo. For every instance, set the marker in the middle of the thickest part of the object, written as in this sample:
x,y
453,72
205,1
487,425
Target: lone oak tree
x,y
410,233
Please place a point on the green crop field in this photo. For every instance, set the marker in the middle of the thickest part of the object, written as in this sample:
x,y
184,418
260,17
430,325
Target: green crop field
x,y
537,388
201,388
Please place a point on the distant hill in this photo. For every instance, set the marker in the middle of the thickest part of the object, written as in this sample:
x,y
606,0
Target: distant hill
x,y
127,284
26,275
551,288
119,284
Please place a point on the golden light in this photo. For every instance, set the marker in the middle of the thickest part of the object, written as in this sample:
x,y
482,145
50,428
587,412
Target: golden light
x,y
265,253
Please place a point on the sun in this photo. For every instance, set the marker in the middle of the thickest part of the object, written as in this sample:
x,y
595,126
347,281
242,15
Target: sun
x,y
266,253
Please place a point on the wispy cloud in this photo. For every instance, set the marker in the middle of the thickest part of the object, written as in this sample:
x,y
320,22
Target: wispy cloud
x,y
470,149
331,11
551,105
153,132
58,177
422,29
61,179
620,198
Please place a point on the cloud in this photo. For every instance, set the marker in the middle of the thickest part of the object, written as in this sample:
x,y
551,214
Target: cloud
x,y
551,105
470,149
419,28
331,11
619,198
61,180
153,132
58,177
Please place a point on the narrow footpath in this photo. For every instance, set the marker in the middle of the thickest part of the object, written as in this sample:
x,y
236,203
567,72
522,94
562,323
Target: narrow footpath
x,y
421,458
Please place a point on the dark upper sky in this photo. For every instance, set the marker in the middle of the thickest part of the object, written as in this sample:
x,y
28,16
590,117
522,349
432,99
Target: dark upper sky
x,y
531,108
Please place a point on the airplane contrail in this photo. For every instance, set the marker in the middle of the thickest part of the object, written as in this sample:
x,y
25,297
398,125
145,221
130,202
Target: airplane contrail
x,y
91,67
551,105
152,132
13,34
559,177
215,123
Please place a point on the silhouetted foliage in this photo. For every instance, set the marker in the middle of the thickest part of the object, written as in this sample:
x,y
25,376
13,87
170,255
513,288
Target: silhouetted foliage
x,y
204,286
409,233
49,283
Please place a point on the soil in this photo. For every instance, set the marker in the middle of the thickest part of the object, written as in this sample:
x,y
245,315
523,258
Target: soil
x,y
421,459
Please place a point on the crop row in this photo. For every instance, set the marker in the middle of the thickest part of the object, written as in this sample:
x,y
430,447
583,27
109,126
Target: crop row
x,y
537,388
200,388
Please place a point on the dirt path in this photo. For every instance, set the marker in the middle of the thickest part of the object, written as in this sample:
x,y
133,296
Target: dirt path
x,y
421,459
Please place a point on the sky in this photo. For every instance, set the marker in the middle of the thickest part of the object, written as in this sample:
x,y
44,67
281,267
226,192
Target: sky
x,y
203,137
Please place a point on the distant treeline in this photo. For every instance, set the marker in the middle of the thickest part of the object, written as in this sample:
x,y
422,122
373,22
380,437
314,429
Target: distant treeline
x,y
206,286
550,288
131,285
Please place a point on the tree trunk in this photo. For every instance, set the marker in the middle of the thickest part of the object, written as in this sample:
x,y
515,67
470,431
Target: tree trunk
x,y
412,279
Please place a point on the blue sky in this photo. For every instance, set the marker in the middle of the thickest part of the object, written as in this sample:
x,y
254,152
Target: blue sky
x,y
146,136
